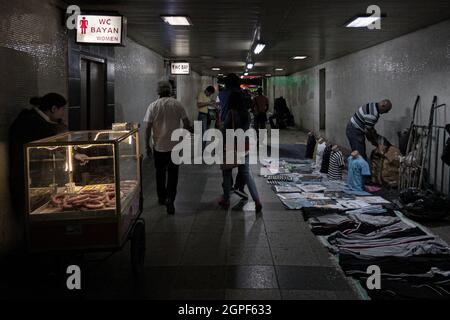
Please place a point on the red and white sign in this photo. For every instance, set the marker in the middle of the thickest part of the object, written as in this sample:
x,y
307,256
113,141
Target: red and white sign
x,y
99,29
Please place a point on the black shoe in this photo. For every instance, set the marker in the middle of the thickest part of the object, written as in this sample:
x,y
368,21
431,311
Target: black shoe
x,y
162,201
170,207
241,193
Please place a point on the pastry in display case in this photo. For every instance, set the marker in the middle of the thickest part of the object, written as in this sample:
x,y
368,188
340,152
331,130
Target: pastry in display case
x,y
83,188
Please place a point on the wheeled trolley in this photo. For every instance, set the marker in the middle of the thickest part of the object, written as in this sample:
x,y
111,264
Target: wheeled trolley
x,y
84,193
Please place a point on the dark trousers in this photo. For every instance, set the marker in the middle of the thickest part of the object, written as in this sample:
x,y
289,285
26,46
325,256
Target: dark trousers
x,y
260,122
166,176
206,123
357,140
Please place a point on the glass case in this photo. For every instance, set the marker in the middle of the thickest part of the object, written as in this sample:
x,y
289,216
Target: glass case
x,y
82,174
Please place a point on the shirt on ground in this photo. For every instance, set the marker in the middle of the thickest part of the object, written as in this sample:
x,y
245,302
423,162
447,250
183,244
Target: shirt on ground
x,y
357,169
336,165
165,114
366,117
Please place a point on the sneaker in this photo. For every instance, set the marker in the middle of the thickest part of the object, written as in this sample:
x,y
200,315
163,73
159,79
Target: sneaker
x,y
170,207
223,203
241,193
258,207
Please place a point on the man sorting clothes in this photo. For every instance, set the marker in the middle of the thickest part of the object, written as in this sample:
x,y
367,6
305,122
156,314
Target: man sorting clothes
x,y
362,124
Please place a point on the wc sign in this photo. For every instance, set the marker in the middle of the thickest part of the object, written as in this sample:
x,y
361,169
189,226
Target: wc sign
x,y
94,29
177,68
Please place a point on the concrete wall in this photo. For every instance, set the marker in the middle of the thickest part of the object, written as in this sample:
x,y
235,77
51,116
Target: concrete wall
x,y
33,61
137,72
414,64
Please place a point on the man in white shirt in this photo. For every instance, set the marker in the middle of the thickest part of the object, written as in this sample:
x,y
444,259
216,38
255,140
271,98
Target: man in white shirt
x,y
163,116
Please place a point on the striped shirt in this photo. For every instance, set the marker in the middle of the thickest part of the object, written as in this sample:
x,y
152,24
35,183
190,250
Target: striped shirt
x,y
336,165
366,117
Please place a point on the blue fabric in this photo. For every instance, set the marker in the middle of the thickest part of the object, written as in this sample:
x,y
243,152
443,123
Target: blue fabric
x,y
357,169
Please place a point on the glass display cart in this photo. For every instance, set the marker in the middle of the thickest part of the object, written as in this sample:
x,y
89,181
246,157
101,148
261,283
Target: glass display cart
x,y
84,193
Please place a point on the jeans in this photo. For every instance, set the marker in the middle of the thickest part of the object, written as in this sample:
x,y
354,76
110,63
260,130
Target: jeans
x,y
166,176
244,171
357,139
206,122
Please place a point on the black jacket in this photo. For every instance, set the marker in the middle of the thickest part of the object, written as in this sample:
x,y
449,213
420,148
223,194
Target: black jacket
x,y
28,126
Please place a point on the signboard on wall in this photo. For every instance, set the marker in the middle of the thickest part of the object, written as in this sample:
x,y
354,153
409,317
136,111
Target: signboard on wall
x,y
94,29
180,68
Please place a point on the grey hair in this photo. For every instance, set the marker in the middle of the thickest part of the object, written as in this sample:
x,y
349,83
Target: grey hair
x,y
164,88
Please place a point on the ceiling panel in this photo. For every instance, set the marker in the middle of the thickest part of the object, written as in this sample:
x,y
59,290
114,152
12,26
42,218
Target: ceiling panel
x,y
223,30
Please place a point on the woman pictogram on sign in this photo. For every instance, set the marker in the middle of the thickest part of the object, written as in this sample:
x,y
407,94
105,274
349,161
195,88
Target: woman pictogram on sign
x,y
83,25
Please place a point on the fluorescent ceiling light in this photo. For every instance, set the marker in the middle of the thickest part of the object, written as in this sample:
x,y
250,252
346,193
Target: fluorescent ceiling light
x,y
246,74
268,75
249,65
177,20
259,48
242,77
299,57
279,69
360,22
220,74
215,69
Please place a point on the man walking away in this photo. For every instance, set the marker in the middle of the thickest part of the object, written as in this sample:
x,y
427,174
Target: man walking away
x,y
362,123
260,106
163,116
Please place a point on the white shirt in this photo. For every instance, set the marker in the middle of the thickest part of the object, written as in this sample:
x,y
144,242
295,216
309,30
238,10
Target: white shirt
x,y
319,154
165,114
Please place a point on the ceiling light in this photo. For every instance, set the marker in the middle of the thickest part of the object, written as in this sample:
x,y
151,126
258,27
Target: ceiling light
x,y
220,75
268,75
360,22
177,20
250,65
299,57
259,48
215,69
246,74
242,77
279,69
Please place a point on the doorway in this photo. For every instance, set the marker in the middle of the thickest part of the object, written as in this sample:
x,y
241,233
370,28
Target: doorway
x,y
322,99
93,94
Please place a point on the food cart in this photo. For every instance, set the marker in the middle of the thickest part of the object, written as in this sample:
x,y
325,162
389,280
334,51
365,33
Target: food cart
x,y
84,193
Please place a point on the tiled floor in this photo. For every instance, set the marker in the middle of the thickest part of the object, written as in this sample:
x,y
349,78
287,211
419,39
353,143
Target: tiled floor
x,y
203,252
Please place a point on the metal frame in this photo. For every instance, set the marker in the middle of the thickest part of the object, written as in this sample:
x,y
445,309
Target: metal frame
x,y
416,165
136,195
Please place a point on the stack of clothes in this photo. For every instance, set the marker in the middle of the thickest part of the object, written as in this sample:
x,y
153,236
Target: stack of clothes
x,y
364,230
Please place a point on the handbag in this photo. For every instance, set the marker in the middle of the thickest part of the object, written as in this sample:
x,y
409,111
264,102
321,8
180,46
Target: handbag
x,y
235,164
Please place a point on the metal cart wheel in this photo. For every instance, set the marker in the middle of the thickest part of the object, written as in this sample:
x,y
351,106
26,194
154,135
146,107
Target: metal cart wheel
x,y
138,248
